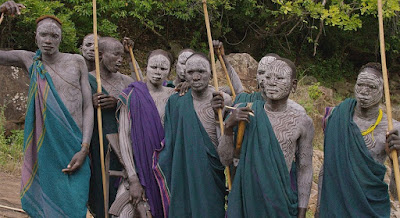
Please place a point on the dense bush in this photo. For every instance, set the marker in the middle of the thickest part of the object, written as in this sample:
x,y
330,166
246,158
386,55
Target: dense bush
x,y
343,33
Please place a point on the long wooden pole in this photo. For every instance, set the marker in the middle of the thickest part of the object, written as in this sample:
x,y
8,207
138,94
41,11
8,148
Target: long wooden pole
x,y
214,70
393,154
1,17
134,64
221,60
99,118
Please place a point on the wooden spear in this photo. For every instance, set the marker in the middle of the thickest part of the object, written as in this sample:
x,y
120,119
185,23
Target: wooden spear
x,y
99,119
1,17
134,63
393,154
221,60
214,71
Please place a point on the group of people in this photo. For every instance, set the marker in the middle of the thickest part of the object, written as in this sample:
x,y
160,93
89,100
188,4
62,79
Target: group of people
x,y
166,156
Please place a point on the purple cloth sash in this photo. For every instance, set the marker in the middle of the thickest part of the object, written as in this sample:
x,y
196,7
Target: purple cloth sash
x,y
146,134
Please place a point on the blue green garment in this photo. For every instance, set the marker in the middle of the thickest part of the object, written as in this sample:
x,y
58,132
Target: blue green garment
x,y
51,139
96,199
353,183
245,97
189,172
262,186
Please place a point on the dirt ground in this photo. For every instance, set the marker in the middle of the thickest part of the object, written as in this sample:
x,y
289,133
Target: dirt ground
x,y
9,195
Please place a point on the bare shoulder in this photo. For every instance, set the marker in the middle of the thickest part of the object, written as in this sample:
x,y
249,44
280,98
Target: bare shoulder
x,y
126,80
295,105
169,90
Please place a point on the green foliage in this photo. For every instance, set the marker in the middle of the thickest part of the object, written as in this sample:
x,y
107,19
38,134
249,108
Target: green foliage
x,y
301,30
314,92
10,148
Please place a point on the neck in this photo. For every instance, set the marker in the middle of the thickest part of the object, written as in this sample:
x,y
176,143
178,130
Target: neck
x,y
201,95
51,59
154,88
104,72
276,105
369,113
90,65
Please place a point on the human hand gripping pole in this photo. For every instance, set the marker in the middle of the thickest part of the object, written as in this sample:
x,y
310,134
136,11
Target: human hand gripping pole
x,y
393,153
99,118
215,79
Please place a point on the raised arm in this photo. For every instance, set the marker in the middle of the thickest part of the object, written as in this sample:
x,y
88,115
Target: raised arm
x,y
127,42
234,77
17,58
304,168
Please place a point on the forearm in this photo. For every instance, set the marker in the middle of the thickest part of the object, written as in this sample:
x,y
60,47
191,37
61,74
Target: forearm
x,y
304,182
125,143
18,58
234,77
226,149
87,121
320,181
392,185
133,70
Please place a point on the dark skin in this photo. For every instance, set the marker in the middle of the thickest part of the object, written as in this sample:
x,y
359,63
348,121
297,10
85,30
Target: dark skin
x,y
77,161
392,141
104,101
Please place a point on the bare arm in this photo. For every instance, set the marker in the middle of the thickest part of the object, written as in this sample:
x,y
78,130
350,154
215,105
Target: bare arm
x,y
235,80
225,149
87,119
133,70
18,58
125,143
392,183
304,163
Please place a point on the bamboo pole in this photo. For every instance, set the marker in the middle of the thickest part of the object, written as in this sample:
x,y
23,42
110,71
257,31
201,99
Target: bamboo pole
x,y
221,60
215,79
134,64
12,208
1,18
239,137
99,118
214,71
393,154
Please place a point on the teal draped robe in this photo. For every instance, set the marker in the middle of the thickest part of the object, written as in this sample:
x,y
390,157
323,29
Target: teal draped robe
x,y
262,185
353,183
189,171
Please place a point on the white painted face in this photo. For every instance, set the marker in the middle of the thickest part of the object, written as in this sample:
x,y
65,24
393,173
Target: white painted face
x,y
277,80
87,48
368,89
198,73
180,65
158,69
48,36
262,67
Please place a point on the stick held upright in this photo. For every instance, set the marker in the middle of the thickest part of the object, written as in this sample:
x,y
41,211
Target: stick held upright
x,y
393,154
99,117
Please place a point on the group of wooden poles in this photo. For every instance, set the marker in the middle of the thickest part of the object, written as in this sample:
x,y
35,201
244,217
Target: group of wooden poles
x,y
242,124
